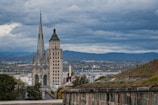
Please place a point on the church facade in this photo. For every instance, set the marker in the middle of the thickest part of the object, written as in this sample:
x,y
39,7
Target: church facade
x,y
48,64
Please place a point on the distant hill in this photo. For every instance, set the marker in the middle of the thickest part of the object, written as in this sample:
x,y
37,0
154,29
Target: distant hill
x,y
71,55
19,56
146,70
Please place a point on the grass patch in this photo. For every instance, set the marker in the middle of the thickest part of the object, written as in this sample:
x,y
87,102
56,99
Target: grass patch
x,y
145,70
148,70
151,81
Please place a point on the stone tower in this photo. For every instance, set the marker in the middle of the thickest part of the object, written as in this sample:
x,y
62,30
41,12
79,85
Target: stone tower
x,y
48,67
55,61
40,68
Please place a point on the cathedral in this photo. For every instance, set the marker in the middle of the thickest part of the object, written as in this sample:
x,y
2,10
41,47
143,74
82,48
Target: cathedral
x,y
48,64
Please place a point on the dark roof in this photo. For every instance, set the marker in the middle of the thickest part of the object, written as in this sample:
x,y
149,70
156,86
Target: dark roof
x,y
54,36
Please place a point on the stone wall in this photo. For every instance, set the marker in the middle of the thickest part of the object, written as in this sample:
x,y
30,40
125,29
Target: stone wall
x,y
111,96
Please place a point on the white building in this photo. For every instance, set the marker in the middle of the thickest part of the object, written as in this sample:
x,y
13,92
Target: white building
x,y
27,79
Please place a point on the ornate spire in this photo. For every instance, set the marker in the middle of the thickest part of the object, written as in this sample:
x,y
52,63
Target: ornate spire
x,y
40,25
40,44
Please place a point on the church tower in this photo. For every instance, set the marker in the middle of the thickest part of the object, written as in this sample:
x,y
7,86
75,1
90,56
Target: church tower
x,y
40,69
48,67
55,61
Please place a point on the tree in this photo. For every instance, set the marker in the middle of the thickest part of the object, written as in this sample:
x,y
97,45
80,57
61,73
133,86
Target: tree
x,y
20,89
33,92
59,94
76,81
80,80
7,87
83,80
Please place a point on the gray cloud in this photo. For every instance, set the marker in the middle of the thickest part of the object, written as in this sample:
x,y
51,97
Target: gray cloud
x,y
94,26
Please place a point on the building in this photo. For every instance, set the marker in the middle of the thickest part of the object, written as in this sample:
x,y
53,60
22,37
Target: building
x,y
26,78
48,65
55,60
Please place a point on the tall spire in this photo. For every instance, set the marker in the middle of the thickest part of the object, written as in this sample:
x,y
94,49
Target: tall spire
x,y
40,44
40,25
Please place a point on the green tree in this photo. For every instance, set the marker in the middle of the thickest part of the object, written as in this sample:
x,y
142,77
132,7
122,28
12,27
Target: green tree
x,y
80,80
59,94
83,80
76,81
7,87
20,89
34,93
52,92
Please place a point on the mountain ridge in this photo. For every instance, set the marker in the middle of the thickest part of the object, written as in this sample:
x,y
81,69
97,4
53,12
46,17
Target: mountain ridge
x,y
73,55
111,56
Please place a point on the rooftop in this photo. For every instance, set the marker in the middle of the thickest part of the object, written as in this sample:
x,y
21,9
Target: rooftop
x,y
54,36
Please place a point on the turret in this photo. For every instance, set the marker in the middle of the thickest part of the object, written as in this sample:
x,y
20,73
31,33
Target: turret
x,y
54,36
54,42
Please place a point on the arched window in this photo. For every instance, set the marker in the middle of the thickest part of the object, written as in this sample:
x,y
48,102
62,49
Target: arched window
x,y
36,79
45,80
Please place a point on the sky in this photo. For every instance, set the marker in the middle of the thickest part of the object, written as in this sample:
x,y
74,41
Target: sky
x,y
93,26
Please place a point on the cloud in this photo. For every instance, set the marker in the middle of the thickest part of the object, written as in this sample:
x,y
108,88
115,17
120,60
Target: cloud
x,y
104,48
7,28
94,26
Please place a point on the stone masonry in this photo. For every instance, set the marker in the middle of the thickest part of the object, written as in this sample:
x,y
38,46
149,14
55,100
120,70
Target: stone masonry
x,y
111,96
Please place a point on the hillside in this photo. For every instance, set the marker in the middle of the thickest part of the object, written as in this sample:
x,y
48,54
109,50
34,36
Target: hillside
x,y
143,75
145,70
